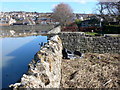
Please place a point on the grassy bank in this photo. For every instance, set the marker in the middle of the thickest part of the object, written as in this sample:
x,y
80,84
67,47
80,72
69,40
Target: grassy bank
x,y
91,33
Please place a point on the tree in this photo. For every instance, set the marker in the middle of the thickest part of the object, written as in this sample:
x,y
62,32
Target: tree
x,y
78,21
63,13
111,9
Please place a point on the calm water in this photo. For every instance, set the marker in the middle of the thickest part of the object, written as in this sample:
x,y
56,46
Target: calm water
x,y
15,55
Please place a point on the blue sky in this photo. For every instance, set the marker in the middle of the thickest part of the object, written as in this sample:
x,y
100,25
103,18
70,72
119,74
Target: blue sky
x,y
78,7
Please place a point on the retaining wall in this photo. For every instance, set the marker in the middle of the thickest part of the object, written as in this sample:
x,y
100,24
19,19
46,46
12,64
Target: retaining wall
x,y
76,41
27,27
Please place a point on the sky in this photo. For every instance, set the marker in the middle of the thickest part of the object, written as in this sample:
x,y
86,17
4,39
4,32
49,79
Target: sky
x,y
83,6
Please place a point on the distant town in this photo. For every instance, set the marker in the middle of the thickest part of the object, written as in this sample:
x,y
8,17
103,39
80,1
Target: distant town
x,y
33,18
21,21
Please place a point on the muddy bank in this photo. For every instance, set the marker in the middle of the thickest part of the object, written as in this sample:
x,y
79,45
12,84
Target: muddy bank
x,y
92,71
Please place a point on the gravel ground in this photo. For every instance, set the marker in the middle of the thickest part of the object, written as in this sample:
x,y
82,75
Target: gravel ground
x,y
92,71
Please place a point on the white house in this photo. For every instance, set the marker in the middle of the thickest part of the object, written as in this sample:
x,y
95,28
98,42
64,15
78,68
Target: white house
x,y
12,32
12,21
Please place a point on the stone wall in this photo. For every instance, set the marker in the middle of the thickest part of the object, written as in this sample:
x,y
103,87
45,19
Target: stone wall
x,y
55,30
94,44
28,27
45,70
78,41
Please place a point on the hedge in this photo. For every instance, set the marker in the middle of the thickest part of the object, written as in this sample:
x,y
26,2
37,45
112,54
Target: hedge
x,y
111,29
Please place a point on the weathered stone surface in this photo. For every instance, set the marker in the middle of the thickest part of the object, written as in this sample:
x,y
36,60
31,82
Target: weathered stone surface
x,y
45,70
55,30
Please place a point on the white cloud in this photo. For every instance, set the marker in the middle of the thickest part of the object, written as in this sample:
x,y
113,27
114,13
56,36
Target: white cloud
x,y
81,1
54,5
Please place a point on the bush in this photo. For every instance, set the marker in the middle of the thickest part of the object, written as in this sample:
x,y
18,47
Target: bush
x,y
78,21
111,29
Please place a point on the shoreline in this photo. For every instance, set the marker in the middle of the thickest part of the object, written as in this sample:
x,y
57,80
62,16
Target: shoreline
x,y
23,35
45,68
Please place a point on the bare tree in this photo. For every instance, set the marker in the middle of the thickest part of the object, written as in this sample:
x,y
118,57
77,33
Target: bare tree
x,y
63,13
111,9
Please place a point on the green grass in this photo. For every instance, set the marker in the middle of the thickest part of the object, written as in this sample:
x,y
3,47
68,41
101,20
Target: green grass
x,y
91,33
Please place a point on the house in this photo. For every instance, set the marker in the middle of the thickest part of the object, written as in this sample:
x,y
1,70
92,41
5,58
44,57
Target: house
x,y
12,21
82,16
4,21
72,27
92,23
46,20
4,24
12,32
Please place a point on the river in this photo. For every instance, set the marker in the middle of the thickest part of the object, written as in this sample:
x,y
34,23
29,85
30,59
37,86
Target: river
x,y
15,54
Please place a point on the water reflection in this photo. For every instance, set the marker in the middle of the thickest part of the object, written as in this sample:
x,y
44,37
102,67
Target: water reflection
x,y
20,32
16,54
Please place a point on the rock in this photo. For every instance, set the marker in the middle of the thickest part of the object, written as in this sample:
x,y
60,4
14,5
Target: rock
x,y
45,70
65,55
78,53
55,30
